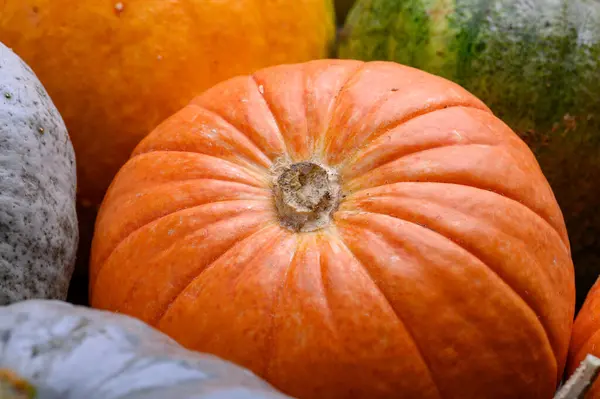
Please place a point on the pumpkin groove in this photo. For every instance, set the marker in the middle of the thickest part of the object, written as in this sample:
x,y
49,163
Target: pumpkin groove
x,y
469,252
446,256
157,320
405,325
208,210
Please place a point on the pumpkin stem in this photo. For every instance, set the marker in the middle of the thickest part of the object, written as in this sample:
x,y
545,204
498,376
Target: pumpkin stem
x,y
581,380
306,194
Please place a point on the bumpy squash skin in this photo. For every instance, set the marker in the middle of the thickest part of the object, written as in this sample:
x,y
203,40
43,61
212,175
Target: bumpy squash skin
x,y
444,271
72,352
536,64
38,221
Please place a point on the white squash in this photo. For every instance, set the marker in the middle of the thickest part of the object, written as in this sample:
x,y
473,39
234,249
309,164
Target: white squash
x,y
38,221
73,352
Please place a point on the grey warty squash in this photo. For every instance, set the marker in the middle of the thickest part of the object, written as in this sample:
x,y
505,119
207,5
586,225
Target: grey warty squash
x,y
72,352
38,221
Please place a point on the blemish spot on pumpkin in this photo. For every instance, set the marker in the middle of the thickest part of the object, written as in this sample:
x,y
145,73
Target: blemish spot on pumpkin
x,y
261,89
306,194
119,7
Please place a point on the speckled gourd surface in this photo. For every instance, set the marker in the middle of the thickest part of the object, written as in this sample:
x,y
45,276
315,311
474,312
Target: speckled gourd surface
x,y
38,221
72,352
535,63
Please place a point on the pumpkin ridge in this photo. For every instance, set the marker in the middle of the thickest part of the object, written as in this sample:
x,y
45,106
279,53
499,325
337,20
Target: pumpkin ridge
x,y
432,147
324,145
161,317
411,281
467,100
319,145
398,316
562,239
374,106
155,136
253,194
156,319
223,119
150,188
245,170
249,166
99,264
269,353
144,223
138,275
417,114
399,140
270,241
277,124
528,306
198,101
323,288
518,203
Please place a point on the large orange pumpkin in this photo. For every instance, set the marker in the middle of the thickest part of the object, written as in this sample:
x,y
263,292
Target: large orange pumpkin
x,y
117,68
344,230
586,335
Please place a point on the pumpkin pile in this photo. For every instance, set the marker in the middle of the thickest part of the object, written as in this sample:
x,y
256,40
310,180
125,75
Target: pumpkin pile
x,y
272,222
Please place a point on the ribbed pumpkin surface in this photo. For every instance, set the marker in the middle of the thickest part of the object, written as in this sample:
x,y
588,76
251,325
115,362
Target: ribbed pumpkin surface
x,y
444,271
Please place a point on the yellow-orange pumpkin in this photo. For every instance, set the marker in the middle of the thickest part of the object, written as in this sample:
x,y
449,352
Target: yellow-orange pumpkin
x,y
586,336
344,230
116,68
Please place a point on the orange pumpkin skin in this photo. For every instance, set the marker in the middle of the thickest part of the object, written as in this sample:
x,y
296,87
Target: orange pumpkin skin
x,y
117,68
444,271
585,337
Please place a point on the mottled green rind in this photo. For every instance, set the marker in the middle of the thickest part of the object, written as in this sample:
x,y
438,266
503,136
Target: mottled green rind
x,y
535,63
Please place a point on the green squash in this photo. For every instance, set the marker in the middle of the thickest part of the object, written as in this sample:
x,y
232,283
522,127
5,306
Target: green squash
x,y
535,63
72,352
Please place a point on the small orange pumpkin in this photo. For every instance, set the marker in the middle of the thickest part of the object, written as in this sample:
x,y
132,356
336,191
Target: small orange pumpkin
x,y
344,230
585,338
